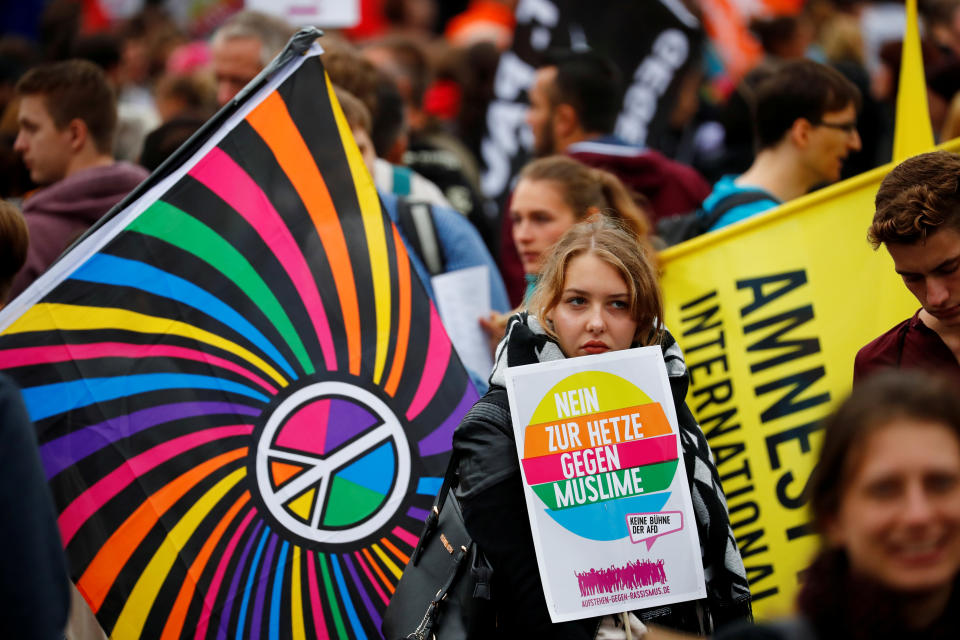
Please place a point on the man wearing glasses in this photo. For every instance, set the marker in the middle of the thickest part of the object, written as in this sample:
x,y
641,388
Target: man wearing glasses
x,y
806,125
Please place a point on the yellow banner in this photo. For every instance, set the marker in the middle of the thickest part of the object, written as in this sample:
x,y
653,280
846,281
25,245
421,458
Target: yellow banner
x,y
770,314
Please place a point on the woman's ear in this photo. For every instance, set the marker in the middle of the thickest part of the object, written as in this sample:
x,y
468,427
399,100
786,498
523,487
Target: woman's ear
x,y
547,317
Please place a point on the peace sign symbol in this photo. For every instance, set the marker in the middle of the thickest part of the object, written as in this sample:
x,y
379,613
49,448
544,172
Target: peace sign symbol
x,y
332,463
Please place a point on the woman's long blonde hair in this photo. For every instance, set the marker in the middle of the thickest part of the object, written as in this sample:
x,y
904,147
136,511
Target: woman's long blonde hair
x,y
587,190
609,240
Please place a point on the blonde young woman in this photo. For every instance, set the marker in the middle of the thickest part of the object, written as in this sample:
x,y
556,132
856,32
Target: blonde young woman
x,y
552,195
597,292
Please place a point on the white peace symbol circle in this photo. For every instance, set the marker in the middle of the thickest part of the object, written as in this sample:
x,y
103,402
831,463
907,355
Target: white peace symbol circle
x,y
319,469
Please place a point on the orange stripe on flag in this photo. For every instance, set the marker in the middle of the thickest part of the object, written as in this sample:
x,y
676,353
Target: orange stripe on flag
x,y
101,573
403,323
272,122
378,570
179,611
400,554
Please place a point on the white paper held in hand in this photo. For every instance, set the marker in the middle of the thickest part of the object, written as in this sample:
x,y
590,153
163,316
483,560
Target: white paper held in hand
x,y
463,297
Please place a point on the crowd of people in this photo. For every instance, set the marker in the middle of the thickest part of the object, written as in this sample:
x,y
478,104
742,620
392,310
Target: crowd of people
x,y
571,257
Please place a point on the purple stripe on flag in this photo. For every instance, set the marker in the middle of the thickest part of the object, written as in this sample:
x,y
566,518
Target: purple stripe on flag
x,y
65,451
232,593
264,578
363,592
441,439
418,514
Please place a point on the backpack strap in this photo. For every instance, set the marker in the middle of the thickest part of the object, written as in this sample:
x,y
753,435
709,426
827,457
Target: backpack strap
x,y
433,518
416,221
731,202
401,180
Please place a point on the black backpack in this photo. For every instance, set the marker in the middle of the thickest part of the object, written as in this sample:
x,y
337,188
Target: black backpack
x,y
676,229
416,221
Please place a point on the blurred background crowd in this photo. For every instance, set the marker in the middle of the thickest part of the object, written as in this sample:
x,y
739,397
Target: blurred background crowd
x,y
426,71
510,120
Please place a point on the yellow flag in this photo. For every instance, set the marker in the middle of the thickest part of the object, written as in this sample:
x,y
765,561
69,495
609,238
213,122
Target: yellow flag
x,y
913,133
770,314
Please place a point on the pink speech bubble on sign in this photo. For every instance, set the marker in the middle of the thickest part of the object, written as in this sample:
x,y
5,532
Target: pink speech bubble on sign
x,y
647,527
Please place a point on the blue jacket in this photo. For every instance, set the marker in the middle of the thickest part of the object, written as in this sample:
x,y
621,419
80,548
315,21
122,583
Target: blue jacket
x,y
462,248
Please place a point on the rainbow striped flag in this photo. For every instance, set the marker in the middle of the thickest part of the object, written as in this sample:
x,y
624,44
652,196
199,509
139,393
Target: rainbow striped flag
x,y
244,397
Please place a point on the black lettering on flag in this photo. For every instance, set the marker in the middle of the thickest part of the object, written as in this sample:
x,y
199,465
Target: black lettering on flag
x,y
790,502
750,543
724,452
801,433
748,519
719,342
743,470
758,573
732,495
719,424
702,317
766,593
689,305
799,531
707,364
717,393
786,282
792,349
797,383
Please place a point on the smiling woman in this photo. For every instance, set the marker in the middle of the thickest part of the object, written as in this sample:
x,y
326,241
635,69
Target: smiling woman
x,y
885,497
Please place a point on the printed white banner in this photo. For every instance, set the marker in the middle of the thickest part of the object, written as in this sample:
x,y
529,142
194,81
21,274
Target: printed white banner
x,y
606,490
320,13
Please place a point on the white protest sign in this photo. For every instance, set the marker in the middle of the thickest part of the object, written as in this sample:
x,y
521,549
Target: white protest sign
x,y
605,485
463,297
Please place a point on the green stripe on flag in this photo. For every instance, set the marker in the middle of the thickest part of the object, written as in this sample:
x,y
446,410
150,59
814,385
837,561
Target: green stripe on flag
x,y
170,224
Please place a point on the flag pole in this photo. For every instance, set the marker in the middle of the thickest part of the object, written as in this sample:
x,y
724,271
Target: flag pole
x,y
912,131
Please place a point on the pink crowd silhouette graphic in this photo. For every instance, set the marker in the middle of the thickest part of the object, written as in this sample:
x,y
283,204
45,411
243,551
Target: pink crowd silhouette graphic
x,y
641,573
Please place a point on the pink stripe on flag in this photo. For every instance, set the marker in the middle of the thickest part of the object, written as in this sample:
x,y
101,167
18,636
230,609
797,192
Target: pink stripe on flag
x,y
366,570
406,536
211,595
26,356
631,454
438,356
91,500
318,624
219,173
